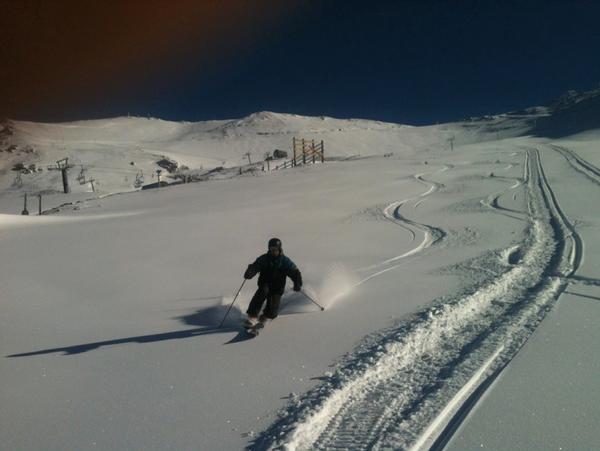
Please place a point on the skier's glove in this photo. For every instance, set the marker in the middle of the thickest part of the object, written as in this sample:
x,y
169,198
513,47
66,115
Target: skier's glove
x,y
250,272
297,287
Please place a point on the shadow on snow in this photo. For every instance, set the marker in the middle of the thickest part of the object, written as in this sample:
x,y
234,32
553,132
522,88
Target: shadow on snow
x,y
205,320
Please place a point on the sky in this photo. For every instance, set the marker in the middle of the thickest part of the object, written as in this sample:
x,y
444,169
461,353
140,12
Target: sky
x,y
414,62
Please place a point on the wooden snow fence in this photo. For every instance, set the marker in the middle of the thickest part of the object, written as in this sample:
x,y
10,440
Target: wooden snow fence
x,y
305,151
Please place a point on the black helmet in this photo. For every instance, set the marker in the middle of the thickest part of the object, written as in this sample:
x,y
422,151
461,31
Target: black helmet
x,y
275,242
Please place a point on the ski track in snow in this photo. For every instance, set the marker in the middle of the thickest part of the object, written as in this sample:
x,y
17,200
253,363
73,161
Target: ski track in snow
x,y
579,164
431,234
492,201
410,386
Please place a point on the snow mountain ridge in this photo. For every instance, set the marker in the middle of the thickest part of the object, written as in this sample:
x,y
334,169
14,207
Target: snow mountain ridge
x,y
119,152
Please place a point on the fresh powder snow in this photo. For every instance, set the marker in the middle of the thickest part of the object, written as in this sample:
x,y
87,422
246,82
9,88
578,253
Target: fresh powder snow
x,y
458,266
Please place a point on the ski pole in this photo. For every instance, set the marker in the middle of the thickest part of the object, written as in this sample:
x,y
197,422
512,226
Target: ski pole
x,y
312,300
237,294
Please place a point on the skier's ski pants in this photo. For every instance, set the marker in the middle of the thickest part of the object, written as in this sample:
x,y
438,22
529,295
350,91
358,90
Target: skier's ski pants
x,y
258,299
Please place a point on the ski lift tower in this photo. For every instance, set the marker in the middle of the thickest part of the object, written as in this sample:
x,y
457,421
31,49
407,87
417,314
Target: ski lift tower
x,y
63,166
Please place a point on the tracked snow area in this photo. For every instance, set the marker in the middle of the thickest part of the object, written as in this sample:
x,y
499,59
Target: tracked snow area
x,y
437,269
549,405
400,379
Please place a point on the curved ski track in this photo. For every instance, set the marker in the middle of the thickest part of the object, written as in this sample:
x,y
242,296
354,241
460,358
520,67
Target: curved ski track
x,y
410,386
492,201
431,234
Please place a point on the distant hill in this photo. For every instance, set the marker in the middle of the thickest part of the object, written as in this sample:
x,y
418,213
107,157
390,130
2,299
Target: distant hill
x,y
116,152
572,113
119,152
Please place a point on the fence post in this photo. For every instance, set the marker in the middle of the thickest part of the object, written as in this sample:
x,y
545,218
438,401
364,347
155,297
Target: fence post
x,y
303,152
322,152
294,147
40,203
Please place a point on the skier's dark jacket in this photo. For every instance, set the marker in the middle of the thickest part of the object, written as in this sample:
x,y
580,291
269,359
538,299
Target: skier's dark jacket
x,y
273,271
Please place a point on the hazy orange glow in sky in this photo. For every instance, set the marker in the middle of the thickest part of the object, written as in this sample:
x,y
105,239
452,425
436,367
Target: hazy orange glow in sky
x,y
407,61
59,51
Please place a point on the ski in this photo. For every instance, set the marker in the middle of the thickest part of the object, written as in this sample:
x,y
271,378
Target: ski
x,y
255,329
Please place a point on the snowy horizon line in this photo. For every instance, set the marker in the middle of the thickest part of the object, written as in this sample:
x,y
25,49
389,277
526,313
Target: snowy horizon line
x,y
567,95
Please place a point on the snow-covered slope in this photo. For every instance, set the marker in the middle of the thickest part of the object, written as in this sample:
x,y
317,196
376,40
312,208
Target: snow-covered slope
x,y
117,152
571,114
440,272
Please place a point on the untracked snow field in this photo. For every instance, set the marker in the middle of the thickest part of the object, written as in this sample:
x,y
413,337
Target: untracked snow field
x,y
462,295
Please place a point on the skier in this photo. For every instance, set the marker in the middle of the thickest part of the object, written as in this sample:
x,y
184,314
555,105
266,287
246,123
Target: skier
x,y
273,267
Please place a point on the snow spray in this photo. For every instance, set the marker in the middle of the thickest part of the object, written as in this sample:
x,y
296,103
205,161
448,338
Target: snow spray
x,y
338,282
